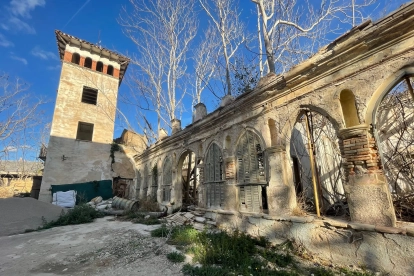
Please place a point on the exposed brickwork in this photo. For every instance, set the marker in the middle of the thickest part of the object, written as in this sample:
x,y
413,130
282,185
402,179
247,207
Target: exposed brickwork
x,y
67,56
82,61
93,65
105,69
116,73
360,151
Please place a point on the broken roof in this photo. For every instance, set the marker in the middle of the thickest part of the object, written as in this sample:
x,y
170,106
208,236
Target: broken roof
x,y
64,39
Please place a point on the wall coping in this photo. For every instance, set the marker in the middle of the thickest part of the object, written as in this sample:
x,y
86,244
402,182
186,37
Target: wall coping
x,y
407,230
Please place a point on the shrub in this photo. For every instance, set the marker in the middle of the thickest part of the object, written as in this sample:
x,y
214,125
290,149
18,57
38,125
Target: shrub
x,y
80,214
176,257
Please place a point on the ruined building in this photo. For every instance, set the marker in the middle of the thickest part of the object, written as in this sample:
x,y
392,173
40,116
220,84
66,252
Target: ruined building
x,y
83,121
334,136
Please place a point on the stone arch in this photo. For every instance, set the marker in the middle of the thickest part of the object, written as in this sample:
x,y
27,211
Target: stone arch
x,y
166,179
393,125
145,182
139,182
349,109
185,188
284,137
383,90
318,131
251,176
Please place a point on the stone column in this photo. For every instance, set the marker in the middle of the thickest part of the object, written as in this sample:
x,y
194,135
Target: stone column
x,y
175,125
231,198
200,111
366,188
280,195
200,184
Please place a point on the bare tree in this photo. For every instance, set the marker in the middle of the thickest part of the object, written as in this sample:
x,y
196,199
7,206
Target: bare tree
x,y
20,116
162,31
205,57
292,31
276,15
225,18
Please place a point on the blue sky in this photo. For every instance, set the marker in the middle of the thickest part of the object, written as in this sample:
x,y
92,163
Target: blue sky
x,y
28,47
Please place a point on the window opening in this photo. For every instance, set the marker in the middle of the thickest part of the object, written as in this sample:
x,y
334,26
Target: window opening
x,y
166,180
89,95
138,189
213,173
251,172
394,121
76,58
99,66
110,70
314,134
88,63
154,186
145,182
85,131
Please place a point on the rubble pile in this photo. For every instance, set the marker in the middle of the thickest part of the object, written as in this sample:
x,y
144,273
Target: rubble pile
x,y
194,218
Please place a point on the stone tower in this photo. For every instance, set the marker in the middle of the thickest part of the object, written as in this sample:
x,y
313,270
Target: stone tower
x,y
83,120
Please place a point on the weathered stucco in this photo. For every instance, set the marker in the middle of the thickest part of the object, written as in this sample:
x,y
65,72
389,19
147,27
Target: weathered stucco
x,y
356,70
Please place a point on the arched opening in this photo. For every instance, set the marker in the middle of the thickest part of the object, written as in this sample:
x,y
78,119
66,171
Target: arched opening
x,y
314,131
88,63
138,187
251,177
213,177
99,66
110,70
394,121
154,183
272,130
187,177
349,110
145,182
75,58
166,180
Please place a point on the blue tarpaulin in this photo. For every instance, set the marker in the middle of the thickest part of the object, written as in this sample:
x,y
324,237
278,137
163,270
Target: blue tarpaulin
x,y
88,190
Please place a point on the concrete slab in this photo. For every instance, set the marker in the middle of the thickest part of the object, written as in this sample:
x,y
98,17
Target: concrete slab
x,y
20,214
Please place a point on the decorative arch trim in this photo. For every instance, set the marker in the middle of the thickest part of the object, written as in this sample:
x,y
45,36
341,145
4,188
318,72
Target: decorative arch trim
x,y
383,89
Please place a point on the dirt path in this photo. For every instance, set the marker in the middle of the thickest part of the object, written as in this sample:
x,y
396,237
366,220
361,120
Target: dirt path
x,y
99,248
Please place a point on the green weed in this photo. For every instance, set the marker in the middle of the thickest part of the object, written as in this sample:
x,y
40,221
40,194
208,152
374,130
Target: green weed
x,y
176,257
79,214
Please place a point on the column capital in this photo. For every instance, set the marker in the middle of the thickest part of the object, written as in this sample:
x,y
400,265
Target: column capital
x,y
353,131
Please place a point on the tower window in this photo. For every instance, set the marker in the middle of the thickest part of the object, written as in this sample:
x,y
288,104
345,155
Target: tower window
x,y
85,131
88,63
76,58
110,70
89,95
99,66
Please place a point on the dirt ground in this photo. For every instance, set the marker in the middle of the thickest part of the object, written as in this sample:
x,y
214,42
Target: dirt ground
x,y
104,247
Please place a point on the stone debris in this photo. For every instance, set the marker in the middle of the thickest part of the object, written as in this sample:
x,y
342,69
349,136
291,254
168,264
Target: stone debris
x,y
193,218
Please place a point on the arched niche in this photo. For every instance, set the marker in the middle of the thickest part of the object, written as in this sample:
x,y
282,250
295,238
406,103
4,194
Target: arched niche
x,y
272,130
349,109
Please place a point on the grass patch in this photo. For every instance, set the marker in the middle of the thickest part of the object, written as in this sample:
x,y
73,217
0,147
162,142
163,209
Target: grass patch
x,y
176,257
80,214
180,235
237,253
